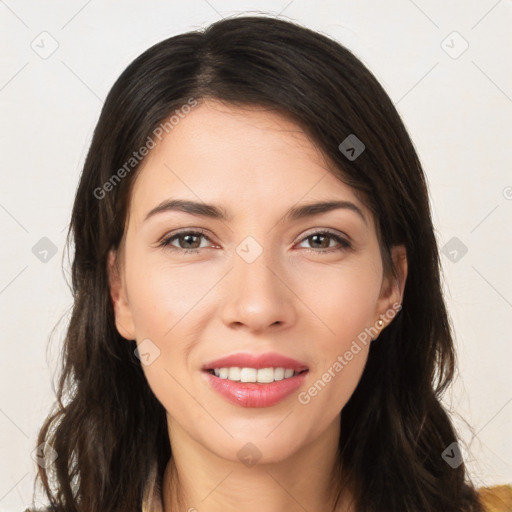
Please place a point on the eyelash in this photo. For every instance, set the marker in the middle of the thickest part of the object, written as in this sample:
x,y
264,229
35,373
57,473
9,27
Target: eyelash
x,y
344,244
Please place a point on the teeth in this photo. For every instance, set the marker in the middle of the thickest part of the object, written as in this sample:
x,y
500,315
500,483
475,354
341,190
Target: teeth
x,y
262,375
233,374
246,375
279,373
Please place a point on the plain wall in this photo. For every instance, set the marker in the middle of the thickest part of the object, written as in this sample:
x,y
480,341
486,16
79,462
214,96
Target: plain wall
x,y
455,102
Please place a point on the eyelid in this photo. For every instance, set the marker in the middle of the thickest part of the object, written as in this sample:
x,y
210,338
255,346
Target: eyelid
x,y
330,231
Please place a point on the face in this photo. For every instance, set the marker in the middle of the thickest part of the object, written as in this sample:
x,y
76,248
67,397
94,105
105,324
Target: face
x,y
194,288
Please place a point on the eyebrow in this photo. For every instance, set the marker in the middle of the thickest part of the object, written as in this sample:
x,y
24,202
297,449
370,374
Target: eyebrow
x,y
215,212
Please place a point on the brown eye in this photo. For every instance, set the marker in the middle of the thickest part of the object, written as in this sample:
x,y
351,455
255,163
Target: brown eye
x,y
321,240
191,240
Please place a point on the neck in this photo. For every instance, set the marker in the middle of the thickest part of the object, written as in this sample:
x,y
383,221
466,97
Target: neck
x,y
195,479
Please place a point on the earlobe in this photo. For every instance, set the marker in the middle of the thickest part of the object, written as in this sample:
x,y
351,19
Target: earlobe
x,y
122,312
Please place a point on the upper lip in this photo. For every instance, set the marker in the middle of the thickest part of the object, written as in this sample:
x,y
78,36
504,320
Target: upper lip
x,y
266,360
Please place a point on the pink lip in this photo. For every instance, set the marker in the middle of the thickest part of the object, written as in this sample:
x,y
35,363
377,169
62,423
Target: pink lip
x,y
267,360
253,394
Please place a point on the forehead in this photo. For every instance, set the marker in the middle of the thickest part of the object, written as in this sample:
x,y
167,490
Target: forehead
x,y
231,155
215,129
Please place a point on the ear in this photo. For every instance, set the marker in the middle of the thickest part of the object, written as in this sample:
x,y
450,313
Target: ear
x,y
392,290
122,311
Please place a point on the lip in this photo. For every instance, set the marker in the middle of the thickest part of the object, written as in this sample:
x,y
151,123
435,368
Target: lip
x,y
266,360
252,394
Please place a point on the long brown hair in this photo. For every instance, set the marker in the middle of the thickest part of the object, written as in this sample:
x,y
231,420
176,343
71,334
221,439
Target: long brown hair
x,y
107,427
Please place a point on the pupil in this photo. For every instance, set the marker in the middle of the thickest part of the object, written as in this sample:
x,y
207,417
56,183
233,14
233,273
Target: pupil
x,y
316,237
187,237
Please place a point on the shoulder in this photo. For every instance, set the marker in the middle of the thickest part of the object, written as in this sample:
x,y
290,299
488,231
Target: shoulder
x,y
497,498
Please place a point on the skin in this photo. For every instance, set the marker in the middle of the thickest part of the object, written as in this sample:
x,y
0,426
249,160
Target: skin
x,y
201,306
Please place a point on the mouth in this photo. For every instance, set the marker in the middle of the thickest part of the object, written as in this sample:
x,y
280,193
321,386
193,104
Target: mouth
x,y
255,387
255,380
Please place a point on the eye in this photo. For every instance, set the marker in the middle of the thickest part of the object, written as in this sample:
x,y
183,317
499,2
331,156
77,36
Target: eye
x,y
319,238
191,239
185,237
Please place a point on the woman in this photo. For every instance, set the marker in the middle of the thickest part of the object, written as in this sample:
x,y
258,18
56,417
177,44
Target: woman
x,y
258,318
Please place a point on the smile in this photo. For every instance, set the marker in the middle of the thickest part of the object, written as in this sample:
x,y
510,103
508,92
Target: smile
x,y
252,393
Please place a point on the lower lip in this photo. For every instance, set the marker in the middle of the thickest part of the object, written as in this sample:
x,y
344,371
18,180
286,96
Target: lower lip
x,y
251,394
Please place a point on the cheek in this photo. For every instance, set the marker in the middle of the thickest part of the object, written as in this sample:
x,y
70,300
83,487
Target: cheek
x,y
343,301
168,305
165,303
342,298
161,295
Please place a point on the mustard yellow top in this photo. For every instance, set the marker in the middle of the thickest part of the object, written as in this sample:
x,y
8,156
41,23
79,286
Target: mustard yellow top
x,y
497,498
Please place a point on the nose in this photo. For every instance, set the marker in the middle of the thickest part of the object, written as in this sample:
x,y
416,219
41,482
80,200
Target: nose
x,y
257,295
